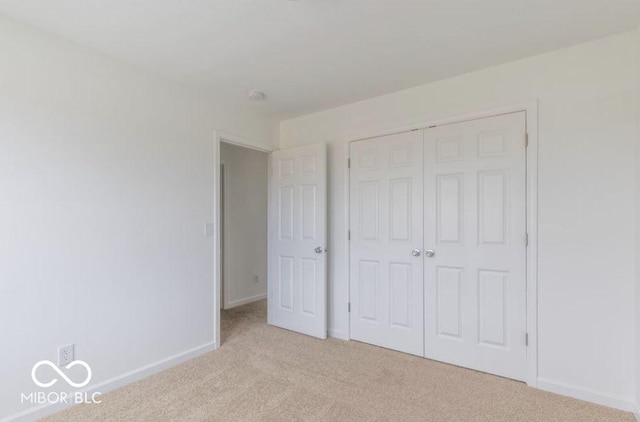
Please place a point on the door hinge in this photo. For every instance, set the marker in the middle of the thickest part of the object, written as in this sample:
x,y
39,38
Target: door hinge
x,y
526,339
348,234
526,239
348,163
526,140
349,306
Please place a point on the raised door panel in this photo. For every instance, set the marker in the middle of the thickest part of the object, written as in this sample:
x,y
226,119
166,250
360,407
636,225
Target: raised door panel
x,y
369,287
308,221
492,206
448,302
286,168
285,212
285,282
368,209
400,206
400,295
492,308
449,208
309,282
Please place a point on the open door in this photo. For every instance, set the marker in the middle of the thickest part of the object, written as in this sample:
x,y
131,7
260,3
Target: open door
x,y
297,240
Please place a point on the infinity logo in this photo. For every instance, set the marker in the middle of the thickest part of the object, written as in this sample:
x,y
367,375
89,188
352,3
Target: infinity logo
x,y
62,374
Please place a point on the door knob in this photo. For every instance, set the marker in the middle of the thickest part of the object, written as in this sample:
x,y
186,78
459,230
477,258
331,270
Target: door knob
x,y
430,253
415,252
318,249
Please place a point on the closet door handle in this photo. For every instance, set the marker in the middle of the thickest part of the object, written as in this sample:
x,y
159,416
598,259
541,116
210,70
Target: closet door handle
x,y
415,252
429,253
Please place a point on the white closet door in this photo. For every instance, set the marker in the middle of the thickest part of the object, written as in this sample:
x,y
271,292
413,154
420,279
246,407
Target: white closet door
x,y
386,226
475,291
297,240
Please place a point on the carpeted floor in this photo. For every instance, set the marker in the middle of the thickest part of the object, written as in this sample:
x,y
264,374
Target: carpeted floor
x,y
262,373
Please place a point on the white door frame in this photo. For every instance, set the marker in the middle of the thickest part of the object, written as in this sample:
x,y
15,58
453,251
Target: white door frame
x,y
219,137
224,228
531,118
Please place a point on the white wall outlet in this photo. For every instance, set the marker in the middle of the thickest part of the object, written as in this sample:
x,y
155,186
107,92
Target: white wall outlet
x,y
208,230
65,355
256,279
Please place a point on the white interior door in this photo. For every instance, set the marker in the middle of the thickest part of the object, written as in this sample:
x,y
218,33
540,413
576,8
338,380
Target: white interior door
x,y
297,240
475,288
386,226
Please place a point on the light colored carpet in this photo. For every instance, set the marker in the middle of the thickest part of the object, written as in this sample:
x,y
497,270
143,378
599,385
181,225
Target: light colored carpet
x,y
262,373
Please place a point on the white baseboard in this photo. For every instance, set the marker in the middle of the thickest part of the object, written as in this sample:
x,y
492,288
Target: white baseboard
x,y
586,395
636,412
245,301
342,335
41,411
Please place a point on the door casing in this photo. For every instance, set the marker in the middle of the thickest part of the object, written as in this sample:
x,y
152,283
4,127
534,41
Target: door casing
x,y
531,120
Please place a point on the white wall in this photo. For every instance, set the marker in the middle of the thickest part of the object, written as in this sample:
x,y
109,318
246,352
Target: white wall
x,y
105,188
245,241
587,127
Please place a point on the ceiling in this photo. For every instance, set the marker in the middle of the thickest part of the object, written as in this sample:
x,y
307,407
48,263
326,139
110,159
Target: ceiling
x,y
309,55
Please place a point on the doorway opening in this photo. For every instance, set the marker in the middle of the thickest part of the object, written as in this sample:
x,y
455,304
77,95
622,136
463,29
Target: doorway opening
x,y
270,237
243,237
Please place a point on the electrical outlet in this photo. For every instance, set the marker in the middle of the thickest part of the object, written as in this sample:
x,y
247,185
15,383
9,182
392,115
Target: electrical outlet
x,y
208,230
65,355
256,279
